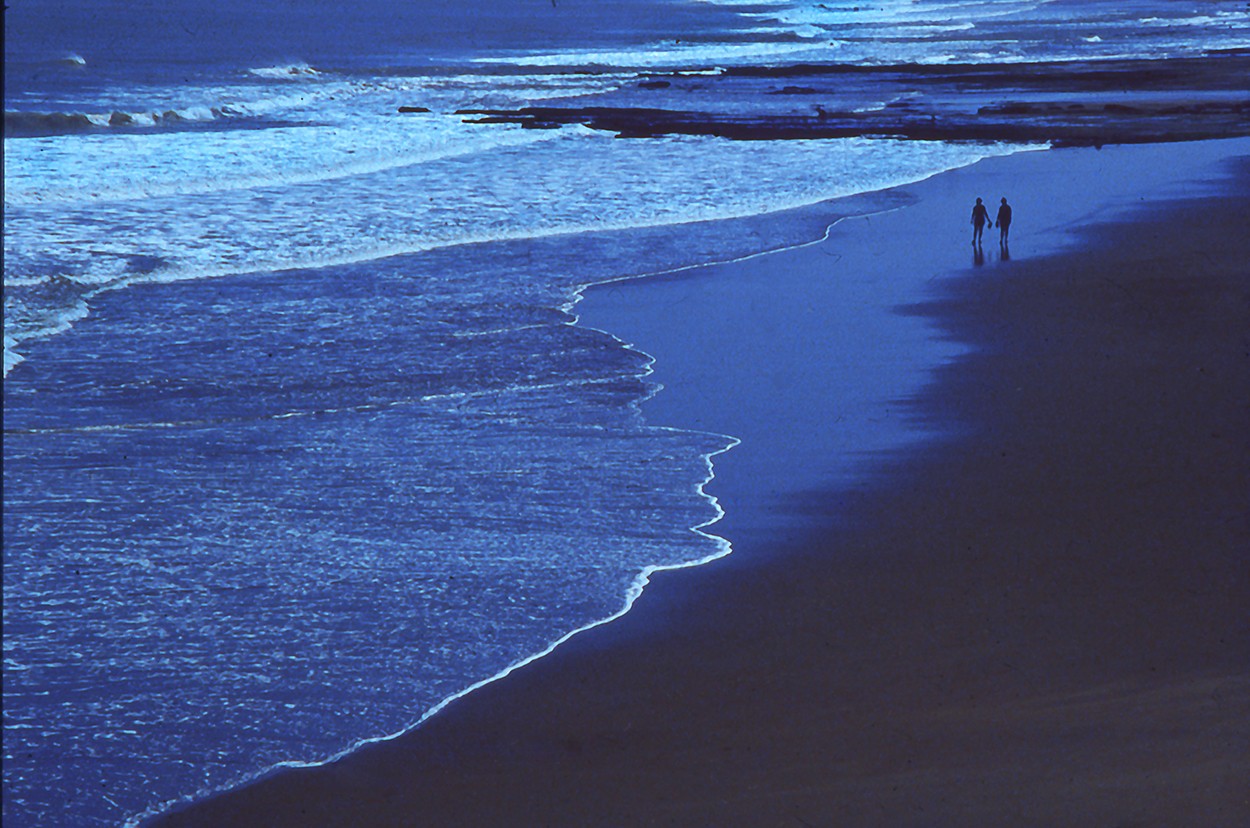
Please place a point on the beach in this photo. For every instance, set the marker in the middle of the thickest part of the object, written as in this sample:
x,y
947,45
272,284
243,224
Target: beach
x,y
598,406
1029,612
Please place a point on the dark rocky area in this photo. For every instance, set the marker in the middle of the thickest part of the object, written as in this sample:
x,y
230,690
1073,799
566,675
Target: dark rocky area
x,y
1066,104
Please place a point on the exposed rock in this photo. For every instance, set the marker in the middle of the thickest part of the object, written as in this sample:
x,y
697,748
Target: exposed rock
x,y
946,102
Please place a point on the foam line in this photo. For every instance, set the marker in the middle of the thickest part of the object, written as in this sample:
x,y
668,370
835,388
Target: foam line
x,y
311,412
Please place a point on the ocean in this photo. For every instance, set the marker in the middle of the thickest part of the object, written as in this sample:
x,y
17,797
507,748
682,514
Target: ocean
x,y
301,435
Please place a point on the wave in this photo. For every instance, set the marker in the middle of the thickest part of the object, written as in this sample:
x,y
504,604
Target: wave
x,y
233,104
433,145
679,55
1198,20
18,124
975,31
53,322
286,71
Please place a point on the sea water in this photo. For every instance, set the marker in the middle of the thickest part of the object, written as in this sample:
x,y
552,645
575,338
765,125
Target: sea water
x,y
300,435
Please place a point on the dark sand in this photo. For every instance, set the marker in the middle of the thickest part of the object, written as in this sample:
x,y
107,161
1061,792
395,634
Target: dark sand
x,y
1038,618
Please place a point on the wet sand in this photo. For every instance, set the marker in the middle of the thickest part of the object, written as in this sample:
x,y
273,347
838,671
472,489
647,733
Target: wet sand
x,y
1034,616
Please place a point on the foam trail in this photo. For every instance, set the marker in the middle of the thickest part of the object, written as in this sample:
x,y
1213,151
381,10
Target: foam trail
x,y
114,428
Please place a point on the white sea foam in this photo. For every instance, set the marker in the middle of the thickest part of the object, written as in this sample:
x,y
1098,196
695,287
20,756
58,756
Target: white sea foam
x,y
575,181
677,55
289,71
365,134
11,357
904,31
752,3
51,321
667,182
1198,20
60,170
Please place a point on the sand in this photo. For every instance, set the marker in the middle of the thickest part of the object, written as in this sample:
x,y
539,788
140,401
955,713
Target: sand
x,y
1021,601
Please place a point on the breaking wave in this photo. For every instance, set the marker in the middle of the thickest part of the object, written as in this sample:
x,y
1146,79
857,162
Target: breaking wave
x,y
42,124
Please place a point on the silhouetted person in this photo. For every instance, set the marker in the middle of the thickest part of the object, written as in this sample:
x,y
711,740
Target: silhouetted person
x,y
980,216
1004,222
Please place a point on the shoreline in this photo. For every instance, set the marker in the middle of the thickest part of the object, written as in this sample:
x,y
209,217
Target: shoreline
x,y
857,205
631,634
643,578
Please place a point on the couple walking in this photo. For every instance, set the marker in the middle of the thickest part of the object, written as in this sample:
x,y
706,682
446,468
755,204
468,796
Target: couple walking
x,y
981,216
